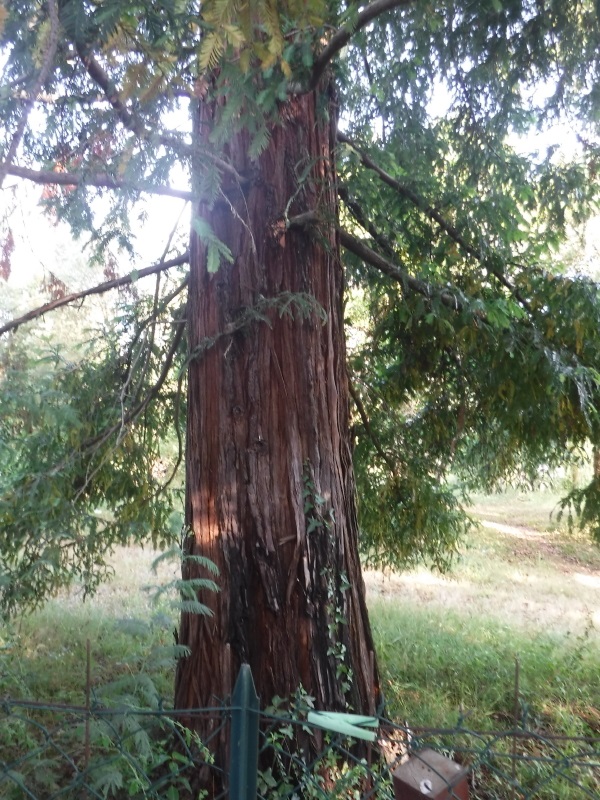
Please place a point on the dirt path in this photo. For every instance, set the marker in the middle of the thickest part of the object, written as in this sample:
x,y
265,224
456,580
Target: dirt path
x,y
515,574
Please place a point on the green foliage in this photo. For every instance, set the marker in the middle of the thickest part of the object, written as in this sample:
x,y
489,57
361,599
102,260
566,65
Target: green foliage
x,y
446,670
135,753
186,590
502,380
86,460
433,663
477,365
135,748
487,394
216,251
582,507
232,30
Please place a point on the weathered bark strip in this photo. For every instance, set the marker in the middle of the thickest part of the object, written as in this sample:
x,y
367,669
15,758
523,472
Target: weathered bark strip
x,y
270,489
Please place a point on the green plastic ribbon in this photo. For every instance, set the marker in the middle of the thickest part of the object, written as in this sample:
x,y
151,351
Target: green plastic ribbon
x,y
346,724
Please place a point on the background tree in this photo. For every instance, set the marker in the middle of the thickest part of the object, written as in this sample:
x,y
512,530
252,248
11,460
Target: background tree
x,y
477,356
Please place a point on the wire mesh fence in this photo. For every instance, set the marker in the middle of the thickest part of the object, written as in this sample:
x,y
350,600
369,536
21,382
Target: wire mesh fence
x,y
240,751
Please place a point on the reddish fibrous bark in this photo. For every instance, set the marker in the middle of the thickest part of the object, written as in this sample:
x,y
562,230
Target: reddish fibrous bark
x,y
270,488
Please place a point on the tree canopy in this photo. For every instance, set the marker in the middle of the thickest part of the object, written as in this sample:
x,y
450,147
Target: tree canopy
x,y
473,342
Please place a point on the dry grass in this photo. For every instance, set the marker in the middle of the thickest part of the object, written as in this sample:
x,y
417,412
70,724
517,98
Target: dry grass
x,y
511,574
519,567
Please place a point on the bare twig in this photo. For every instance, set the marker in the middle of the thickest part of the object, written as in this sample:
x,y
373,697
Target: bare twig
x,y
141,328
151,322
179,459
99,289
120,427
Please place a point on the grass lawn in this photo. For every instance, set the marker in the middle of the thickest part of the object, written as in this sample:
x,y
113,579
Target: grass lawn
x,y
522,588
518,589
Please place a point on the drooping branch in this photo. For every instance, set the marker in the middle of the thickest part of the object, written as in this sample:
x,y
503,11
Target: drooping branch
x,y
126,420
126,117
99,76
452,298
342,36
370,256
99,180
414,198
433,214
360,216
134,124
48,59
407,281
369,430
99,289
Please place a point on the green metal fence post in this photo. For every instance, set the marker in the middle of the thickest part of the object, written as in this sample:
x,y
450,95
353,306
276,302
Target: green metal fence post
x,y
243,761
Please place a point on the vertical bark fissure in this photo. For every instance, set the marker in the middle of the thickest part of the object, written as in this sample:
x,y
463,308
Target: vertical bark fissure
x,y
268,435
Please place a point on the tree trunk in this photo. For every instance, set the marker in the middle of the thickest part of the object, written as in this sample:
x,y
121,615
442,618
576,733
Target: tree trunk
x,y
270,489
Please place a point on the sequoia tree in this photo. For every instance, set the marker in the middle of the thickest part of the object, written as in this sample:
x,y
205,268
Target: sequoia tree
x,y
474,349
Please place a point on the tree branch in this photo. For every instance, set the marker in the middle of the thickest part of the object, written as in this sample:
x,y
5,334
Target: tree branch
x,y
414,198
99,289
43,74
97,442
342,36
363,251
369,430
155,389
133,124
99,76
100,180
435,216
452,299
359,215
368,255
180,448
304,220
127,118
